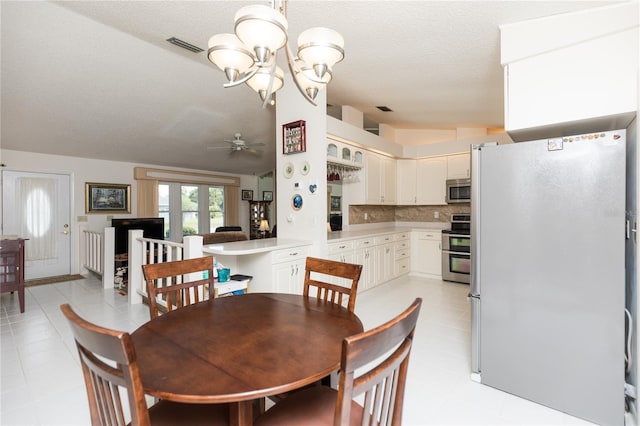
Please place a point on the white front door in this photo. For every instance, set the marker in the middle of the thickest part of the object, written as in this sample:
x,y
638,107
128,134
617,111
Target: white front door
x,y
37,206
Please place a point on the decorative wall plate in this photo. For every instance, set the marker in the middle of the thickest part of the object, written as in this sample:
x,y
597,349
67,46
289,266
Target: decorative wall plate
x,y
288,170
306,167
296,201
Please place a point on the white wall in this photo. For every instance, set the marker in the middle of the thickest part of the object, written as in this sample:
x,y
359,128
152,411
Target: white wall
x,y
308,223
84,170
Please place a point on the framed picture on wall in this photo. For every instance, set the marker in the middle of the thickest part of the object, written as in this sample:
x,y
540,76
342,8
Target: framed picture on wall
x,y
107,198
267,195
294,137
247,194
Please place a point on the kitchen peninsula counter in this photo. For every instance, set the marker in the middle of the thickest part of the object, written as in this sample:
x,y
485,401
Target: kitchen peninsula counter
x,y
249,247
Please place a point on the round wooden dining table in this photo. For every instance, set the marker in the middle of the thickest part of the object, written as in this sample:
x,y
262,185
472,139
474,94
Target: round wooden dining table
x,y
241,348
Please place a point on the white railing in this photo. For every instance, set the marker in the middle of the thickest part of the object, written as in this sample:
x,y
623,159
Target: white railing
x,y
145,250
93,258
97,253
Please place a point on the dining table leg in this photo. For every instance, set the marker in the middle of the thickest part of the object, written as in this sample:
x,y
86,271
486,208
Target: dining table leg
x,y
241,413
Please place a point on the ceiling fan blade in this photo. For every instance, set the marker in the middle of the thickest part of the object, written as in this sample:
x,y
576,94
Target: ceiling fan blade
x,y
256,144
217,147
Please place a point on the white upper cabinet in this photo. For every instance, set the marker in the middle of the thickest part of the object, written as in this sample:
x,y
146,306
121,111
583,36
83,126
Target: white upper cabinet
x,y
571,72
406,182
389,180
459,166
380,179
422,182
431,177
345,154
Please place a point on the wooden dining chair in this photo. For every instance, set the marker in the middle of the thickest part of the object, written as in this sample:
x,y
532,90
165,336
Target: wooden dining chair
x,y
171,283
109,367
381,358
332,292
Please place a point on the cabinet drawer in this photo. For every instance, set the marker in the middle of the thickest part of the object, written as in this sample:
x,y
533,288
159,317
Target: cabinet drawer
x,y
289,255
340,247
364,243
402,267
402,254
383,239
428,235
401,236
402,247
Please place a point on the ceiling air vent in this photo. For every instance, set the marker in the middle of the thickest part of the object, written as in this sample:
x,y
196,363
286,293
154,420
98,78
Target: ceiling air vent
x,y
384,108
185,45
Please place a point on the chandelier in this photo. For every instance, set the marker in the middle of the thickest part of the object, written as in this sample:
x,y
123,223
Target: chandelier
x,y
249,55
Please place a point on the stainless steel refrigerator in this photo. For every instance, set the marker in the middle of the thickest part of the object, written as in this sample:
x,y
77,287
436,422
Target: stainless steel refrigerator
x,y
547,281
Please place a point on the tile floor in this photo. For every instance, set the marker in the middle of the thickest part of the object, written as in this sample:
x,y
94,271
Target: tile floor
x,y
41,381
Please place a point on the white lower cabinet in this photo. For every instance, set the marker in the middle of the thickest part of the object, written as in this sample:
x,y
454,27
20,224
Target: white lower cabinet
x,y
341,252
384,258
364,255
288,270
402,253
426,255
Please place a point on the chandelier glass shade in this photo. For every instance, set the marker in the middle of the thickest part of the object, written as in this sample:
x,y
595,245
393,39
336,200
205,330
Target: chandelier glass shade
x,y
249,55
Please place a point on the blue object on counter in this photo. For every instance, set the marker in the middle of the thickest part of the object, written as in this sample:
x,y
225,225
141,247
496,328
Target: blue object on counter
x,y
223,275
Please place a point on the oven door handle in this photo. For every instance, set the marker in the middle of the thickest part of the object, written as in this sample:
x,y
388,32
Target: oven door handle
x,y
461,253
448,234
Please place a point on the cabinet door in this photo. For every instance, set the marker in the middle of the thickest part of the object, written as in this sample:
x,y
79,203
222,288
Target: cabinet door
x,y
431,177
406,182
284,275
459,166
426,253
297,278
388,180
433,257
387,262
364,257
373,179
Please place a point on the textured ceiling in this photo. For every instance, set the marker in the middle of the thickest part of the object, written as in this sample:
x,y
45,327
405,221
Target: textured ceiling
x,y
97,79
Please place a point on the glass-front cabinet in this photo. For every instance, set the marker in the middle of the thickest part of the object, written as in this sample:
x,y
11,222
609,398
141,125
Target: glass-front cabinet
x,y
344,154
259,224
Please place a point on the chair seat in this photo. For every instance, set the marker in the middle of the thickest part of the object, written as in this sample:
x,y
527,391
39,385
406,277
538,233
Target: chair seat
x,y
171,413
312,406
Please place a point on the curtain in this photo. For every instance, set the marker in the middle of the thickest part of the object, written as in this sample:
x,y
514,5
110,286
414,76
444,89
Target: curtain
x,y
147,198
37,198
231,196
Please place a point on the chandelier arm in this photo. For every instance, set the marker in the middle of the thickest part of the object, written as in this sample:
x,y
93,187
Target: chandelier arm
x,y
292,69
252,71
268,95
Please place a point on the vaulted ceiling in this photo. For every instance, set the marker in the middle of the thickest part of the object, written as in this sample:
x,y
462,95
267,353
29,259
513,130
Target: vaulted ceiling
x,y
98,79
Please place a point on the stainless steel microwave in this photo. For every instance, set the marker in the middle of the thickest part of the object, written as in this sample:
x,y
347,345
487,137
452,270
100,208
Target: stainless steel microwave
x,y
458,191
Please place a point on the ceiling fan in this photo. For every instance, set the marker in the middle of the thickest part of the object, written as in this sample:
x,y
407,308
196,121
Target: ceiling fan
x,y
238,144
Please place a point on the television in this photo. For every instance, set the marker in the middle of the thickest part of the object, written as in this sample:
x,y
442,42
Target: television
x,y
152,227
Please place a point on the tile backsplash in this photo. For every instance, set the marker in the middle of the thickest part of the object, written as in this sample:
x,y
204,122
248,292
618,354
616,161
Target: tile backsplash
x,y
376,214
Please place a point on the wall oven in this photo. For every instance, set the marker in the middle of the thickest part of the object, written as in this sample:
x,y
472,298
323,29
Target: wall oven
x,y
456,250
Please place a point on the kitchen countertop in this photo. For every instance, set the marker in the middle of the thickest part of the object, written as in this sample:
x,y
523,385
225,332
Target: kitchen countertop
x,y
371,231
253,246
